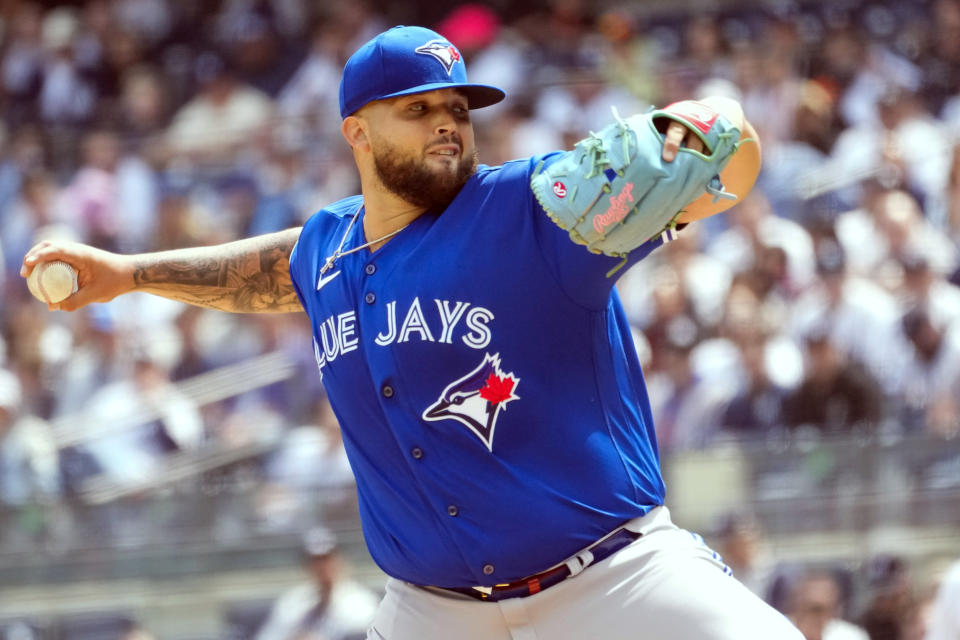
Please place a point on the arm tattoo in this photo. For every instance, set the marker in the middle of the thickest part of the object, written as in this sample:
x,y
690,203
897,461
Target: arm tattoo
x,y
247,276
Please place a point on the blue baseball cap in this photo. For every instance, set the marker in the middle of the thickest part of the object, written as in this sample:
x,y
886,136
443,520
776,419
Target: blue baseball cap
x,y
406,60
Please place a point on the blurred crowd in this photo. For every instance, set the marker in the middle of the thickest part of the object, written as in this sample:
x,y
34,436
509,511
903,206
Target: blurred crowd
x,y
883,598
826,303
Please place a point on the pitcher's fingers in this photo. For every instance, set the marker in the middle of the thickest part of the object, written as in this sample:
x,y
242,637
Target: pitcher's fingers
x,y
43,252
29,258
672,140
694,143
81,298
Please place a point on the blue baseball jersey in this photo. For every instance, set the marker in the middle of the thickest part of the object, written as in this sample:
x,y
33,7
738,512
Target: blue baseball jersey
x,y
485,379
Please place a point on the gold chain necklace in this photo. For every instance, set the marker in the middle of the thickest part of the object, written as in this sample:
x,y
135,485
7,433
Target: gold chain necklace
x,y
328,263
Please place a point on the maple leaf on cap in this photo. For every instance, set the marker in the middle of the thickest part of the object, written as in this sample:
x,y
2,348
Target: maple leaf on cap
x,y
497,389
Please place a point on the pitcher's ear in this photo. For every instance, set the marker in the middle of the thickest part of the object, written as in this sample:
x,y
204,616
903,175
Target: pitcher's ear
x,y
354,131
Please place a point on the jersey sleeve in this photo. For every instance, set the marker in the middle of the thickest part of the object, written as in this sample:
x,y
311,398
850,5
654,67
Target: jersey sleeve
x,y
586,277
303,260
296,269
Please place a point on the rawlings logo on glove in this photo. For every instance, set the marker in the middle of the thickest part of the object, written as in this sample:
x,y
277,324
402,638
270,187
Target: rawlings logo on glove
x,y
619,208
617,192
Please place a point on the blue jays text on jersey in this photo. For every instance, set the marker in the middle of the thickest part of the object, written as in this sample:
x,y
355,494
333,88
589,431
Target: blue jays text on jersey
x,y
483,372
338,332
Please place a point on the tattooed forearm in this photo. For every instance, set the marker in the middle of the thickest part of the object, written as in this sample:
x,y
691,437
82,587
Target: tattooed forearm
x,y
246,276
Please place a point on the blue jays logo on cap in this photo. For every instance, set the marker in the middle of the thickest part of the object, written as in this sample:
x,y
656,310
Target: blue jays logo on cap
x,y
443,51
475,400
404,61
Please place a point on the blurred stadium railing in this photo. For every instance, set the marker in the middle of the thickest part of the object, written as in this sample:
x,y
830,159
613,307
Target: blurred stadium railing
x,y
206,533
207,514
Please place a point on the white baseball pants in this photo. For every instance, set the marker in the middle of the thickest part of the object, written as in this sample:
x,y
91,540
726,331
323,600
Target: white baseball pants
x,y
666,584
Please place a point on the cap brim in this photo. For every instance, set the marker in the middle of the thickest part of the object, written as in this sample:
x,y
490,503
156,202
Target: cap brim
x,y
478,95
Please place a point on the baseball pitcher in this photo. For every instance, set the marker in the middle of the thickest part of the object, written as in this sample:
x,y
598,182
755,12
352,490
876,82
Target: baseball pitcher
x,y
476,354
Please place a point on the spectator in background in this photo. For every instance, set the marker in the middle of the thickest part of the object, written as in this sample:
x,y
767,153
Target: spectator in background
x,y
928,384
307,469
861,70
777,89
924,289
953,200
945,613
939,56
747,320
667,300
757,409
132,424
111,201
890,599
287,194
888,226
769,280
22,65
330,606
312,458
686,406
66,96
906,232
702,57
815,607
632,57
28,454
906,148
790,169
578,100
753,226
306,99
24,153
89,203
121,51
860,318
94,359
259,56
143,110
359,20
34,208
225,117
916,619
476,28
704,280
860,234
501,54
134,631
742,545
518,132
150,20
836,394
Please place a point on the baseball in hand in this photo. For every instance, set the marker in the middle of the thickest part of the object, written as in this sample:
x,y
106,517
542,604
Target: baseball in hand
x,y
52,282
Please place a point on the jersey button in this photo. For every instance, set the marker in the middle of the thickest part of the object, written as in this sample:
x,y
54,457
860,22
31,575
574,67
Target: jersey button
x,y
416,452
370,298
488,569
453,510
387,391
370,269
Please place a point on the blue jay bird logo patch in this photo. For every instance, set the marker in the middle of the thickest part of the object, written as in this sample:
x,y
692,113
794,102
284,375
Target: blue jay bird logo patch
x,y
475,400
443,51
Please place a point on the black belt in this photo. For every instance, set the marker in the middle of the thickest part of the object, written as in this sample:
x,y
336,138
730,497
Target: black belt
x,y
546,579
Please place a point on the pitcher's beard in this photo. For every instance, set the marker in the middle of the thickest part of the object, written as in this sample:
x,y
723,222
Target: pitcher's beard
x,y
415,182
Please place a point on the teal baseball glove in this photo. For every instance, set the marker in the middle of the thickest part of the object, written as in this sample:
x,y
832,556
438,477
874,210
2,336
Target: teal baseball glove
x,y
613,191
